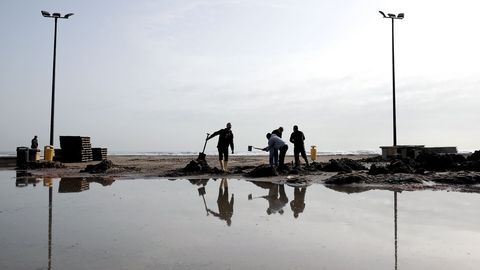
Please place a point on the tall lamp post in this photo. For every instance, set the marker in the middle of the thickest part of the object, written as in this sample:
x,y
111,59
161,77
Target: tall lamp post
x,y
393,17
56,16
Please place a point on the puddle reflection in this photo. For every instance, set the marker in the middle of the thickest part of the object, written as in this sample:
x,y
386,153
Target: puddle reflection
x,y
161,217
225,207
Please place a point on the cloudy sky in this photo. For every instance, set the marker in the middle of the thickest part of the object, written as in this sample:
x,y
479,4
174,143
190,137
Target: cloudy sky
x,y
157,75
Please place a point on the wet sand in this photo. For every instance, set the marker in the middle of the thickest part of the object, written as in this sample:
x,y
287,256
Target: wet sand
x,y
136,166
140,166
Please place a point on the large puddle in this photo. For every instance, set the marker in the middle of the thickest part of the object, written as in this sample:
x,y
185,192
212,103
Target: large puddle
x,y
200,224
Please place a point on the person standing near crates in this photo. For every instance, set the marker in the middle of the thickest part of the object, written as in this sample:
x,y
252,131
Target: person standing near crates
x,y
225,139
298,138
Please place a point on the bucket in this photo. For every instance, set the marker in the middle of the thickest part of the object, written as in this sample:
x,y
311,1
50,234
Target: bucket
x,y
48,153
22,156
313,153
33,154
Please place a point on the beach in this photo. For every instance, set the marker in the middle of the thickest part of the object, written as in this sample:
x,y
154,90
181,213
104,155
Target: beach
x,y
346,173
143,166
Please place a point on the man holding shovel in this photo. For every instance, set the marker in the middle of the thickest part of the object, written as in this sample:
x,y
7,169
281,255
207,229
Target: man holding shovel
x,y
275,144
225,139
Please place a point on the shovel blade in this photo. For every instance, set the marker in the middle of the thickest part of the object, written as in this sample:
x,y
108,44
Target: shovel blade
x,y
201,156
201,191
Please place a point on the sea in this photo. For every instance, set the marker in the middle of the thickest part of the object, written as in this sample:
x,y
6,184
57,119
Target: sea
x,y
193,153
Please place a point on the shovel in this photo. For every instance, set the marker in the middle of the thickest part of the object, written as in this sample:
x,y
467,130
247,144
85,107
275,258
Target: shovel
x,y
202,192
252,147
201,156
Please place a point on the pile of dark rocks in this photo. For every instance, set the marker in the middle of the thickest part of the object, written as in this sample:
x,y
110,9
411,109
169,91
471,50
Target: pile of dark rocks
x,y
430,162
101,167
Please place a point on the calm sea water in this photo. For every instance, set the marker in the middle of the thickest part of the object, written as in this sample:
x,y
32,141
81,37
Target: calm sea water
x,y
167,224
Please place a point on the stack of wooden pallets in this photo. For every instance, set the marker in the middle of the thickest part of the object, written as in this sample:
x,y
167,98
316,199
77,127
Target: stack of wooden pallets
x,y
76,149
99,154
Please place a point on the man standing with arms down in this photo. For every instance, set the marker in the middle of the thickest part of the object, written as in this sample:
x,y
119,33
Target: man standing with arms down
x,y
225,139
297,138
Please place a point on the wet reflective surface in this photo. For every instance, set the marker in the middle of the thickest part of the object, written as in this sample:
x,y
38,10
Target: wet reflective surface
x,y
95,223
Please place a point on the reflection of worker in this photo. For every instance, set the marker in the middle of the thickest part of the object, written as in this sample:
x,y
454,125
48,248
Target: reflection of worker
x,y
275,144
277,199
298,202
34,143
297,138
225,139
225,208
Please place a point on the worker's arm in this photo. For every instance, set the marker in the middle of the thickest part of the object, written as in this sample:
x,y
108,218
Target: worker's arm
x,y
213,134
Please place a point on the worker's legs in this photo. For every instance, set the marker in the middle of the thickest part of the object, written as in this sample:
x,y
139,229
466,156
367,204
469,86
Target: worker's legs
x,y
225,160
283,151
296,152
220,158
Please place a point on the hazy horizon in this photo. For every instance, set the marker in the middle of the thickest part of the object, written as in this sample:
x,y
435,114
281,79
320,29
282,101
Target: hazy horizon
x,y
157,75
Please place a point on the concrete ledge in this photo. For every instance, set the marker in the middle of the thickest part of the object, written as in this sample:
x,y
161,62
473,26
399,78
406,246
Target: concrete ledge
x,y
412,151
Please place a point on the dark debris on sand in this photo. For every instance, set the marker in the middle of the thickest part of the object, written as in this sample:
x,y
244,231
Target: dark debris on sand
x,y
195,167
42,164
101,167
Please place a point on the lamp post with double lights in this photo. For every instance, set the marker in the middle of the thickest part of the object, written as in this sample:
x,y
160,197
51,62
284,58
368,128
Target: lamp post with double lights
x,y
393,17
55,16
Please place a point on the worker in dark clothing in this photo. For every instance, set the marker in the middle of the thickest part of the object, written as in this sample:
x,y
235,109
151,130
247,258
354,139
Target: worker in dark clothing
x,y
34,143
297,138
278,132
225,139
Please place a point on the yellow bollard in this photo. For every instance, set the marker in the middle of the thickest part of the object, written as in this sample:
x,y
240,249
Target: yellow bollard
x,y
48,153
313,153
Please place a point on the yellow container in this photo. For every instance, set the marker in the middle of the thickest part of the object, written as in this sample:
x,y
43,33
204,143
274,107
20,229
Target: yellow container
x,y
48,153
313,153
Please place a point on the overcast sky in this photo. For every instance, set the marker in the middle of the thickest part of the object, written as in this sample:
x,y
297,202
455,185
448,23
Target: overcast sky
x,y
157,75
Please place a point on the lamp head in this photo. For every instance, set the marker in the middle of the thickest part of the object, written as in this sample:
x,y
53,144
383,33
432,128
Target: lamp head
x,y
401,15
56,15
391,15
383,14
68,15
45,13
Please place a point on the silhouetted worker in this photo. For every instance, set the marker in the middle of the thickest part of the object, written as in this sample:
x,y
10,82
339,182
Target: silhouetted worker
x,y
298,202
275,143
225,208
225,139
297,138
34,143
278,132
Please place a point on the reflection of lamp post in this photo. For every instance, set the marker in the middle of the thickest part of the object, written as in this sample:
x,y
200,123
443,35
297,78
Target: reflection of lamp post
x,y
393,17
395,221
55,16
48,182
